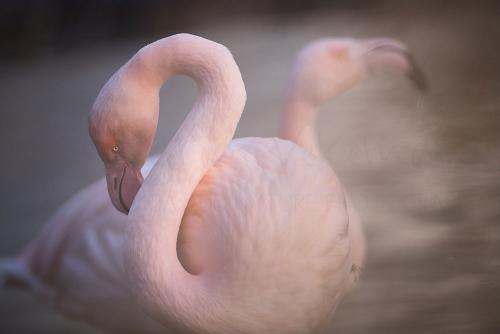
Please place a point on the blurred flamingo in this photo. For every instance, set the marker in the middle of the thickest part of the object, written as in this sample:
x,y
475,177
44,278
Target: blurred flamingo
x,y
326,68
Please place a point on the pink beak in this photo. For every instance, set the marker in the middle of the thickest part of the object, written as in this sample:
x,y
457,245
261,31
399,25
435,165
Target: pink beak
x,y
124,182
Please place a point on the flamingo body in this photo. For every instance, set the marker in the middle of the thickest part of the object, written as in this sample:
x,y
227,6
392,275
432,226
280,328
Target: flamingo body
x,y
76,264
271,219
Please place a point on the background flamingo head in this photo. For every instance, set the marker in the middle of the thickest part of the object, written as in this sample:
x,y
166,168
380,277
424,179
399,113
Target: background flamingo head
x,y
330,66
122,125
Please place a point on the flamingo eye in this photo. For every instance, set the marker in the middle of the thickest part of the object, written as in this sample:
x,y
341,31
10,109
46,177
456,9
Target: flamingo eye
x,y
115,148
339,52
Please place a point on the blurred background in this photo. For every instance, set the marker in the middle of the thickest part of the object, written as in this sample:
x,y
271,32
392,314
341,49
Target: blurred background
x,y
423,170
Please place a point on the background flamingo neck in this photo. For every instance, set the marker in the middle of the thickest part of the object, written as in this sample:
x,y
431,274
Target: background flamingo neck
x,y
298,123
166,290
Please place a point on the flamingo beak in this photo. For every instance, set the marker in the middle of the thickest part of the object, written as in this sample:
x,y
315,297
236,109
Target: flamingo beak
x,y
124,182
386,55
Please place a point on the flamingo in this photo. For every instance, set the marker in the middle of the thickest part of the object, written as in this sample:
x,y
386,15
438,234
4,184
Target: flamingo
x,y
326,68
251,235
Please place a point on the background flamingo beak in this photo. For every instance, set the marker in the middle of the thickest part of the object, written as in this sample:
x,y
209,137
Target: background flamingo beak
x,y
124,182
387,55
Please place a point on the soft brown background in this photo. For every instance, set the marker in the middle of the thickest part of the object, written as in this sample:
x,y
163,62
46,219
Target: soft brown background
x,y
423,170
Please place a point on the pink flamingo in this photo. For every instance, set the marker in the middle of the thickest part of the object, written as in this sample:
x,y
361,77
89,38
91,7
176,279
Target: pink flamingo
x,y
326,68
252,235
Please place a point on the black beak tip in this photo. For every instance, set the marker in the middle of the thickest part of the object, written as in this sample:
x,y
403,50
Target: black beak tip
x,y
417,76
420,82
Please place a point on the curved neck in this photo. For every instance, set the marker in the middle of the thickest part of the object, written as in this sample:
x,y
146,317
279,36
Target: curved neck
x,y
166,290
298,122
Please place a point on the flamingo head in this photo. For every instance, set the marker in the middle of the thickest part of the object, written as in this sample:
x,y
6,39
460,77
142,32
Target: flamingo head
x,y
330,66
122,127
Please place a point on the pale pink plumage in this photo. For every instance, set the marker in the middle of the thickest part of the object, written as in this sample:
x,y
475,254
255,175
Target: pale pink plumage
x,y
75,265
268,243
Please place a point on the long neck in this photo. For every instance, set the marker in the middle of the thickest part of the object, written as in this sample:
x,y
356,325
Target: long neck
x,y
168,292
298,122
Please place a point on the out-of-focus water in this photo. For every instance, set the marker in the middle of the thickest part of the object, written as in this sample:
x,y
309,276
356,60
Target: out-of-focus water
x,y
423,170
